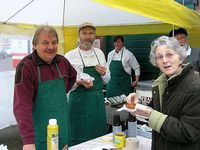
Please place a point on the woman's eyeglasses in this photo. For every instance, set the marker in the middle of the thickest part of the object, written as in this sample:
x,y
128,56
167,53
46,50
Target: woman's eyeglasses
x,y
160,57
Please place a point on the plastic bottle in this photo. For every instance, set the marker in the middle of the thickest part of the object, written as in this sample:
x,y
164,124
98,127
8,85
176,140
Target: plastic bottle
x,y
132,126
117,125
52,135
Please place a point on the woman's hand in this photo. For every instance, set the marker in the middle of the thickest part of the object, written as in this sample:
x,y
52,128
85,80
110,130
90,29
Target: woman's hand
x,y
141,110
132,98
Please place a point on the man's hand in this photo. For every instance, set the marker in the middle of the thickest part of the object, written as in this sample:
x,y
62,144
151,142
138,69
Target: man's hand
x,y
86,83
100,69
29,147
134,84
65,147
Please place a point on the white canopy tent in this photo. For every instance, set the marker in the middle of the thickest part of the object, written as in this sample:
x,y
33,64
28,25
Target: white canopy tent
x,y
38,12
75,12
57,13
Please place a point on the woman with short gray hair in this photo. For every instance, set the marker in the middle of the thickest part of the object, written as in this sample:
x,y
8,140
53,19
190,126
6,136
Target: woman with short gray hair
x,y
169,42
175,116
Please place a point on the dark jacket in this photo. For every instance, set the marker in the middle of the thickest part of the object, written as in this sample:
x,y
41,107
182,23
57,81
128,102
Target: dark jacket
x,y
194,59
181,104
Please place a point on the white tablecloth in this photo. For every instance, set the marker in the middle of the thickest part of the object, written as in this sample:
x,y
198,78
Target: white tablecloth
x,y
104,142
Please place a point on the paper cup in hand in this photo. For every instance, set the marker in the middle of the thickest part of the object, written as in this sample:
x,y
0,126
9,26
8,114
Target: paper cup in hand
x,y
86,76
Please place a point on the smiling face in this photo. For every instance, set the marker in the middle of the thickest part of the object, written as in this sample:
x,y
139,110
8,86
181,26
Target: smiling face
x,y
182,38
167,60
46,46
86,36
118,44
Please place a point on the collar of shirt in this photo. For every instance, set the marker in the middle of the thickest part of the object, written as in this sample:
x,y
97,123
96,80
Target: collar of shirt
x,y
117,55
87,53
117,51
188,52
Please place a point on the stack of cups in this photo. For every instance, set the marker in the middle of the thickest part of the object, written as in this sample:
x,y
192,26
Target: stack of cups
x,y
132,144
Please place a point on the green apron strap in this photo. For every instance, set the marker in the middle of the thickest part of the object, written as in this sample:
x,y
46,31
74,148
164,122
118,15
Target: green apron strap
x,y
96,57
39,77
58,70
82,57
121,54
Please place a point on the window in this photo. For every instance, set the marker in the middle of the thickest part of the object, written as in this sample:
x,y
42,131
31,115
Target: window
x,y
12,50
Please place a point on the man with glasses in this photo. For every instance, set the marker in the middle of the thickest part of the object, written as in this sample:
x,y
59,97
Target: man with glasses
x,y
192,54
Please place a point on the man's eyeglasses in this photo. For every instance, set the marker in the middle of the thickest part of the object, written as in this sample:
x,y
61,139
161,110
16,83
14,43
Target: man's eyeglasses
x,y
160,57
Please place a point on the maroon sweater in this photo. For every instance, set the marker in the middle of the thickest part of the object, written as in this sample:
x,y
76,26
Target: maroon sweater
x,y
26,85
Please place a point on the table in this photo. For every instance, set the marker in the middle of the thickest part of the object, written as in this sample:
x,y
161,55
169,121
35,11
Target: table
x,y
106,142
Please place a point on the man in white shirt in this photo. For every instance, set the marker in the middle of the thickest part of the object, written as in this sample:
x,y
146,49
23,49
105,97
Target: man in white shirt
x,y
192,54
120,63
86,101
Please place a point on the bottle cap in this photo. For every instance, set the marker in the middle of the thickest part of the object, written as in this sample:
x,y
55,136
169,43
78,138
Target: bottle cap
x,y
52,122
116,120
131,118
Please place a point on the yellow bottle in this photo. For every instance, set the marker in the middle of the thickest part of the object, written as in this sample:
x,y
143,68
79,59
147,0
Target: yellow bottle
x,y
52,135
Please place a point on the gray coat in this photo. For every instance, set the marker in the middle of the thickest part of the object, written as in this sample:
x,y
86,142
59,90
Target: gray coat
x,y
181,102
194,59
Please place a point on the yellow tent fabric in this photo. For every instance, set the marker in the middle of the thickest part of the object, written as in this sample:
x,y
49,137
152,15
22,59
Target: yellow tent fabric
x,y
167,11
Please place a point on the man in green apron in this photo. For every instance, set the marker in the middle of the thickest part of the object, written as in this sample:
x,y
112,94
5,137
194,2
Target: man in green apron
x,y
42,80
86,101
121,62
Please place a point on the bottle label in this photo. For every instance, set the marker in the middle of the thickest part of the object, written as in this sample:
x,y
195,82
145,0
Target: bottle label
x,y
119,139
132,129
54,142
116,129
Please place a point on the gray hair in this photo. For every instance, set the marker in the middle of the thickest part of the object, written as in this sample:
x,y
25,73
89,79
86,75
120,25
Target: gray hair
x,y
169,42
43,28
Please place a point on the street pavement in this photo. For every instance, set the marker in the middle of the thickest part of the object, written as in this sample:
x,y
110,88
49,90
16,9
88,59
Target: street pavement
x,y
10,136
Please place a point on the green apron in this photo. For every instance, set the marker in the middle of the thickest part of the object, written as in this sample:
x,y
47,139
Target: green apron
x,y
120,81
87,109
51,102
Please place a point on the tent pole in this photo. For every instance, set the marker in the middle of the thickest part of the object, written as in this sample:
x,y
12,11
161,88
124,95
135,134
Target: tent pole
x,y
18,11
173,30
63,21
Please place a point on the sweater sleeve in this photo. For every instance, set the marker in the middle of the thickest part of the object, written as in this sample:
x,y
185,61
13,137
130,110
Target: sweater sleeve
x,y
72,77
23,103
156,120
